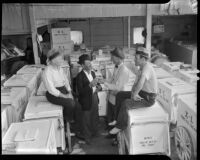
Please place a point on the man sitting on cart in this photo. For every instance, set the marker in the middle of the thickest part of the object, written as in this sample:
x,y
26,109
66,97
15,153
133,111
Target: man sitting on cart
x,y
143,93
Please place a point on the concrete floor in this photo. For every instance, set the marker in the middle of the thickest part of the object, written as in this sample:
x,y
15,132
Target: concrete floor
x,y
102,146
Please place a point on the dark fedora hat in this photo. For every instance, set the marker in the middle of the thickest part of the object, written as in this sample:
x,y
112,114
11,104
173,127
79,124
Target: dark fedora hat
x,y
142,52
83,57
117,53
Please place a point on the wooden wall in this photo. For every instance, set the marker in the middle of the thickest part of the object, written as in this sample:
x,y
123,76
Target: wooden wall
x,y
99,32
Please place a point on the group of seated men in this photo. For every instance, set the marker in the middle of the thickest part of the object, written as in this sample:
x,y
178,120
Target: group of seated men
x,y
126,91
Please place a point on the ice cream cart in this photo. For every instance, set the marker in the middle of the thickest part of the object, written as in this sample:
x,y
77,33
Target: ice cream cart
x,y
186,131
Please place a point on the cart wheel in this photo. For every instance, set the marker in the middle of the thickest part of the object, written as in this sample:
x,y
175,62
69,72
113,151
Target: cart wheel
x,y
183,143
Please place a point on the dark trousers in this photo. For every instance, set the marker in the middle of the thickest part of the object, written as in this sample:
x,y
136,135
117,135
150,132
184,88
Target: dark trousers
x,y
147,101
113,110
90,119
68,104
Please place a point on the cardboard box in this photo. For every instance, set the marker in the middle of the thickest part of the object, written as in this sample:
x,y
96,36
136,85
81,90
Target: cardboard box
x,y
66,48
168,91
39,108
147,131
30,138
60,35
187,117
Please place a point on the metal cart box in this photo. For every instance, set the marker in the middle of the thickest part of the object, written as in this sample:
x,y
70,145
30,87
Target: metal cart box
x,y
186,131
168,91
147,131
38,107
32,69
171,66
30,138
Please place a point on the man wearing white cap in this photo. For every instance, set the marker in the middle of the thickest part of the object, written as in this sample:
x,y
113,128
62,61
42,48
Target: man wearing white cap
x,y
143,93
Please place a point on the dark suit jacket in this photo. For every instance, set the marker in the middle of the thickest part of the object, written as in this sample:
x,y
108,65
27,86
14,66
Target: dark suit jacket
x,y
84,91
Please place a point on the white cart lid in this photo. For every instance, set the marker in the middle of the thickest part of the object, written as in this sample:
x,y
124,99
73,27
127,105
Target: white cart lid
x,y
28,69
190,100
30,137
178,85
154,113
39,107
161,73
20,80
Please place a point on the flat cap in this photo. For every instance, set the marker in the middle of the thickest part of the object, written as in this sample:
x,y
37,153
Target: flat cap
x,y
117,53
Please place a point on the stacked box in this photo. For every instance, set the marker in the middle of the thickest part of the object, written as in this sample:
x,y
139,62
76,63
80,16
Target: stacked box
x,y
168,91
39,108
61,39
147,131
35,137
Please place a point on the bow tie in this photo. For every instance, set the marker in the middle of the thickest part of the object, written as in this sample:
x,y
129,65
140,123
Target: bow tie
x,y
116,66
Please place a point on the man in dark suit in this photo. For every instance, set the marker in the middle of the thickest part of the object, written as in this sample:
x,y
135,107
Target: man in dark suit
x,y
87,88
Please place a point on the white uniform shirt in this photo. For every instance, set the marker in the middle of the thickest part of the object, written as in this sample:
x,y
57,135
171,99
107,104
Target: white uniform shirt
x,y
122,80
90,78
55,77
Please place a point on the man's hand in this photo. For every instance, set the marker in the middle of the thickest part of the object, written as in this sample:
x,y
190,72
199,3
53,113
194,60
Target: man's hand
x,y
93,82
136,97
101,81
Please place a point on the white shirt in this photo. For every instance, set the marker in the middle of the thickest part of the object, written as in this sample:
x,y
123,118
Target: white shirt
x,y
55,77
122,80
90,78
150,84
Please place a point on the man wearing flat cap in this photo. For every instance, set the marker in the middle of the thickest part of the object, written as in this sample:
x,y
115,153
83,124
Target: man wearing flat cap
x,y
143,93
122,80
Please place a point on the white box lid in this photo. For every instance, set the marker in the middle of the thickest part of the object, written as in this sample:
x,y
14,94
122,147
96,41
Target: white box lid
x,y
28,69
39,107
177,85
19,80
148,114
39,144
161,73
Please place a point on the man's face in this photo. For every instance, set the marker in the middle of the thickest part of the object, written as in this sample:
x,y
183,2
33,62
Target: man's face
x,y
137,60
114,59
87,65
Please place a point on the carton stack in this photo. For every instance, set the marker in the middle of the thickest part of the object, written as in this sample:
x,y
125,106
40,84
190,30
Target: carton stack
x,y
61,39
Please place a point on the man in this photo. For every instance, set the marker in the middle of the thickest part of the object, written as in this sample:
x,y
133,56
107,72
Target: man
x,y
122,80
87,88
143,92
